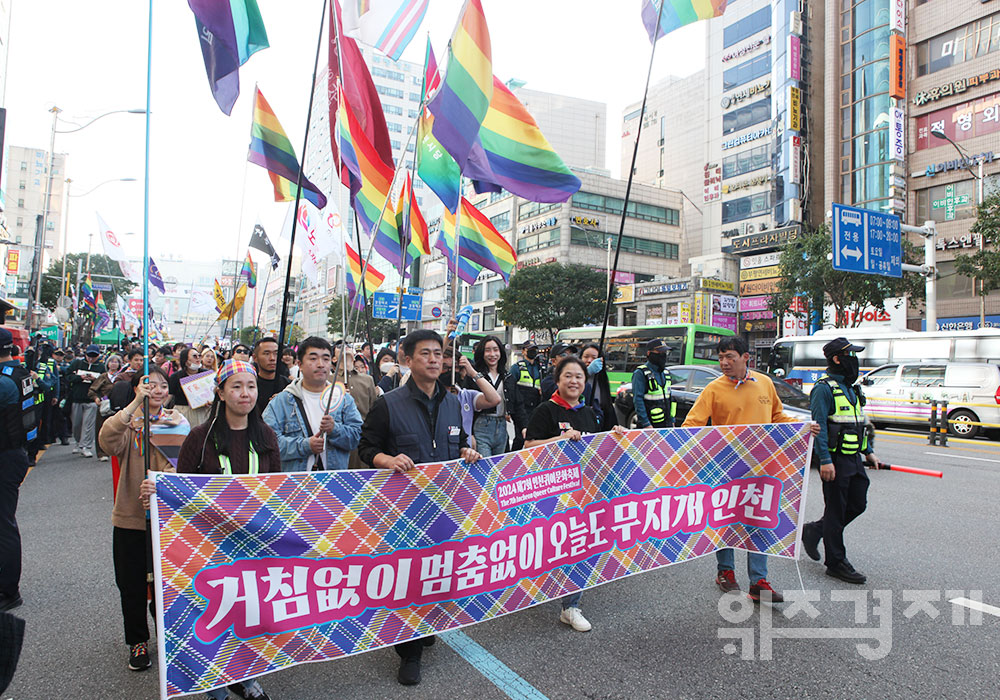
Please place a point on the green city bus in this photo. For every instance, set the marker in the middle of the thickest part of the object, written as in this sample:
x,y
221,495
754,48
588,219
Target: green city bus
x,y
625,346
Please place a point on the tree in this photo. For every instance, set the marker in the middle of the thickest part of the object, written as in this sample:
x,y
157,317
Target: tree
x,y
552,297
807,271
249,334
99,265
984,265
382,329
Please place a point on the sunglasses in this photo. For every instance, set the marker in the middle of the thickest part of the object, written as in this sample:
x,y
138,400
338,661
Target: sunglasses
x,y
849,353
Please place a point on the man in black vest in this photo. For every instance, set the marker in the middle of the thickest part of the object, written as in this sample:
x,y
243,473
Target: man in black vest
x,y
18,428
417,423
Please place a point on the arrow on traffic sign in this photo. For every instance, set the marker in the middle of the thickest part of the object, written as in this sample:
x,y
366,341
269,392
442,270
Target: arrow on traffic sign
x,y
851,253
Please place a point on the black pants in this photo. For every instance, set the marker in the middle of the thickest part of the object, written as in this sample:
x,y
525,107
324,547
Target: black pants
x,y
60,424
412,649
132,550
845,498
13,467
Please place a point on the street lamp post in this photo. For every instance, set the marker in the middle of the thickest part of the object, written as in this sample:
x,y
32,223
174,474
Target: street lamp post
x,y
40,250
979,201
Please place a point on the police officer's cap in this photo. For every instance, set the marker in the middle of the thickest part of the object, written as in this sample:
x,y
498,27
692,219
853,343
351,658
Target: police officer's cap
x,y
838,346
528,344
93,350
655,345
6,338
562,349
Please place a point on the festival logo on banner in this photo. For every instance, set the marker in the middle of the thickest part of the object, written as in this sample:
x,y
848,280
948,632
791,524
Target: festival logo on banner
x,y
258,573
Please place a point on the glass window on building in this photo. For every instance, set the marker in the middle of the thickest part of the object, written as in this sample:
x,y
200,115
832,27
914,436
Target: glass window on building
x,y
746,27
501,221
977,38
394,127
388,91
475,293
747,161
493,289
489,318
870,185
538,240
630,244
414,97
745,72
951,285
872,147
392,109
745,207
746,116
947,202
530,209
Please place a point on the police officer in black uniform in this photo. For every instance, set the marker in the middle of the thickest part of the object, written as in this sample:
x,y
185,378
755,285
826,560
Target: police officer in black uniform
x,y
523,387
419,422
838,406
651,389
18,429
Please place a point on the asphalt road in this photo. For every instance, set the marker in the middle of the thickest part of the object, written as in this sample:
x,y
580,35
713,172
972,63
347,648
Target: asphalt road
x,y
656,635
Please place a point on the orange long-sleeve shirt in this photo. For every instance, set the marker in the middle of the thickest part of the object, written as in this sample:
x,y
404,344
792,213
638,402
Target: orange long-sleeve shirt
x,y
725,403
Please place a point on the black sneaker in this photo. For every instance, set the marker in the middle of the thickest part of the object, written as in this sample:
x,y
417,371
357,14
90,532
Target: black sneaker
x,y
250,690
138,657
846,573
409,672
429,641
811,535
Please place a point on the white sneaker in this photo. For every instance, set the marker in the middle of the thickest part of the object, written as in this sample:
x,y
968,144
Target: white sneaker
x,y
77,450
575,619
88,453
103,458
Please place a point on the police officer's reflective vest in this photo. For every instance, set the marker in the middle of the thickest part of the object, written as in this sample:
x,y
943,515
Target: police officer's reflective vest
x,y
524,377
18,425
846,425
45,370
657,398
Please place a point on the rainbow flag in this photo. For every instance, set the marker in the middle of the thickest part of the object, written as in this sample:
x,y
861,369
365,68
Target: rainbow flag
x,y
480,242
370,181
468,271
513,154
271,150
417,235
103,317
435,166
464,97
87,296
373,278
249,270
677,13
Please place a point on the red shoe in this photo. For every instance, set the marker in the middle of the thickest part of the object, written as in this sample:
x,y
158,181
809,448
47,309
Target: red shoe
x,y
762,591
726,580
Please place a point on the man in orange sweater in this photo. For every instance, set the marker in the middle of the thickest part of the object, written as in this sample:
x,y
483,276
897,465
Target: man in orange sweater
x,y
740,397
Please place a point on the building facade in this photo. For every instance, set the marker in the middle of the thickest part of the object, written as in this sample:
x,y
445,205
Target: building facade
x,y
952,108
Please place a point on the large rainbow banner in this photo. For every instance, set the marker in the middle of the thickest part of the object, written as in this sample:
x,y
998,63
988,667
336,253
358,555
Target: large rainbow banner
x,y
259,573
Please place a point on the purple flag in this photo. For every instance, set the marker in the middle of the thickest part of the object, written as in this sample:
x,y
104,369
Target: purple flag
x,y
155,278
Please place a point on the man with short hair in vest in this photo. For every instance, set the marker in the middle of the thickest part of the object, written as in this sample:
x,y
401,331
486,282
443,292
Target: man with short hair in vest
x,y
18,428
651,389
523,386
838,406
419,422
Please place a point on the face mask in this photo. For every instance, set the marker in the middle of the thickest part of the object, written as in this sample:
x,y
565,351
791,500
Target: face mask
x,y
195,367
385,367
658,360
849,366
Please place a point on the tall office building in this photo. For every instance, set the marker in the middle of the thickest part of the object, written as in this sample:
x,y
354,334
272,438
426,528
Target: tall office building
x,y
953,65
27,179
575,128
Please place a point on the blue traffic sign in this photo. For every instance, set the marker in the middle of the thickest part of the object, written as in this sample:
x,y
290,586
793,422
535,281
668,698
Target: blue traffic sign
x,y
866,241
384,305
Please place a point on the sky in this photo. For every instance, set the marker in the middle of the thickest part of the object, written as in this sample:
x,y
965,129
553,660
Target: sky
x,y
89,58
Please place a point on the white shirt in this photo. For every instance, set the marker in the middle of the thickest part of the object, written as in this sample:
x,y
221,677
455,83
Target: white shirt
x,y
313,402
493,378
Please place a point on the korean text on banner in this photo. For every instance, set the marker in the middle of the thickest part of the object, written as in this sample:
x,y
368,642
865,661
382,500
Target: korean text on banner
x,y
322,565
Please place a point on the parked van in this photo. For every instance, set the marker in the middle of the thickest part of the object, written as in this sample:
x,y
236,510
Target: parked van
x,y
890,389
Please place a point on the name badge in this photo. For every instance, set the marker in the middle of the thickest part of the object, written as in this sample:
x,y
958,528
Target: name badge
x,y
454,431
563,427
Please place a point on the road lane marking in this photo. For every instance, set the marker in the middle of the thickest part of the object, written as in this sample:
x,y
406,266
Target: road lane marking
x,y
923,436
976,605
977,459
994,451
495,670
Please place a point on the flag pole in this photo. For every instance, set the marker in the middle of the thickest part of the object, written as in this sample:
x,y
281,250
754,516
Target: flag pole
x,y
145,244
403,244
366,309
263,300
298,186
456,282
628,187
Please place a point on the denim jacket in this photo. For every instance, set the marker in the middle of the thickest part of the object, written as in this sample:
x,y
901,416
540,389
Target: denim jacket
x,y
287,421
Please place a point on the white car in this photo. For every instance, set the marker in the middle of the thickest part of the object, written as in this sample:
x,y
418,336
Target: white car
x,y
897,393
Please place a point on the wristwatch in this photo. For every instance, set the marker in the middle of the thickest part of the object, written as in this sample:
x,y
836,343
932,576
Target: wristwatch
x,y
480,375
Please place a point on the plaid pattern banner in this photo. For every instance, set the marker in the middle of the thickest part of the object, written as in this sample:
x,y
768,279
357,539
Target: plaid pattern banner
x,y
259,573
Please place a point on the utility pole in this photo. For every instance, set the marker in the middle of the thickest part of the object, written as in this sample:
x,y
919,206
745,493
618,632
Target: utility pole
x,y
928,269
45,213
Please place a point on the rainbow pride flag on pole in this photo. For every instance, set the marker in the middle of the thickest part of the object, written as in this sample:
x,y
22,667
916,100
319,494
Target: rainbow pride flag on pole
x,y
271,150
373,278
249,271
412,224
480,242
388,25
468,271
435,166
464,97
512,153
677,13
87,296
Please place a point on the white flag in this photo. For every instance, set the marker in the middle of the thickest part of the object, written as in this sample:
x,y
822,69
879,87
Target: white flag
x,y
113,249
202,303
318,234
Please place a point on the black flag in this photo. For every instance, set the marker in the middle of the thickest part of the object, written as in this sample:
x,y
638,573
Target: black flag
x,y
260,241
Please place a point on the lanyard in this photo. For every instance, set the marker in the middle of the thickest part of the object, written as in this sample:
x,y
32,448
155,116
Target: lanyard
x,y
227,466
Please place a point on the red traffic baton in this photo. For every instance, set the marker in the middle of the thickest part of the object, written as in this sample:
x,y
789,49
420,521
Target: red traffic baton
x,y
910,470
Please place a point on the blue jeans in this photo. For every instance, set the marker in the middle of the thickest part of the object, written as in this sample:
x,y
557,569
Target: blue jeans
x,y
756,563
572,600
491,435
